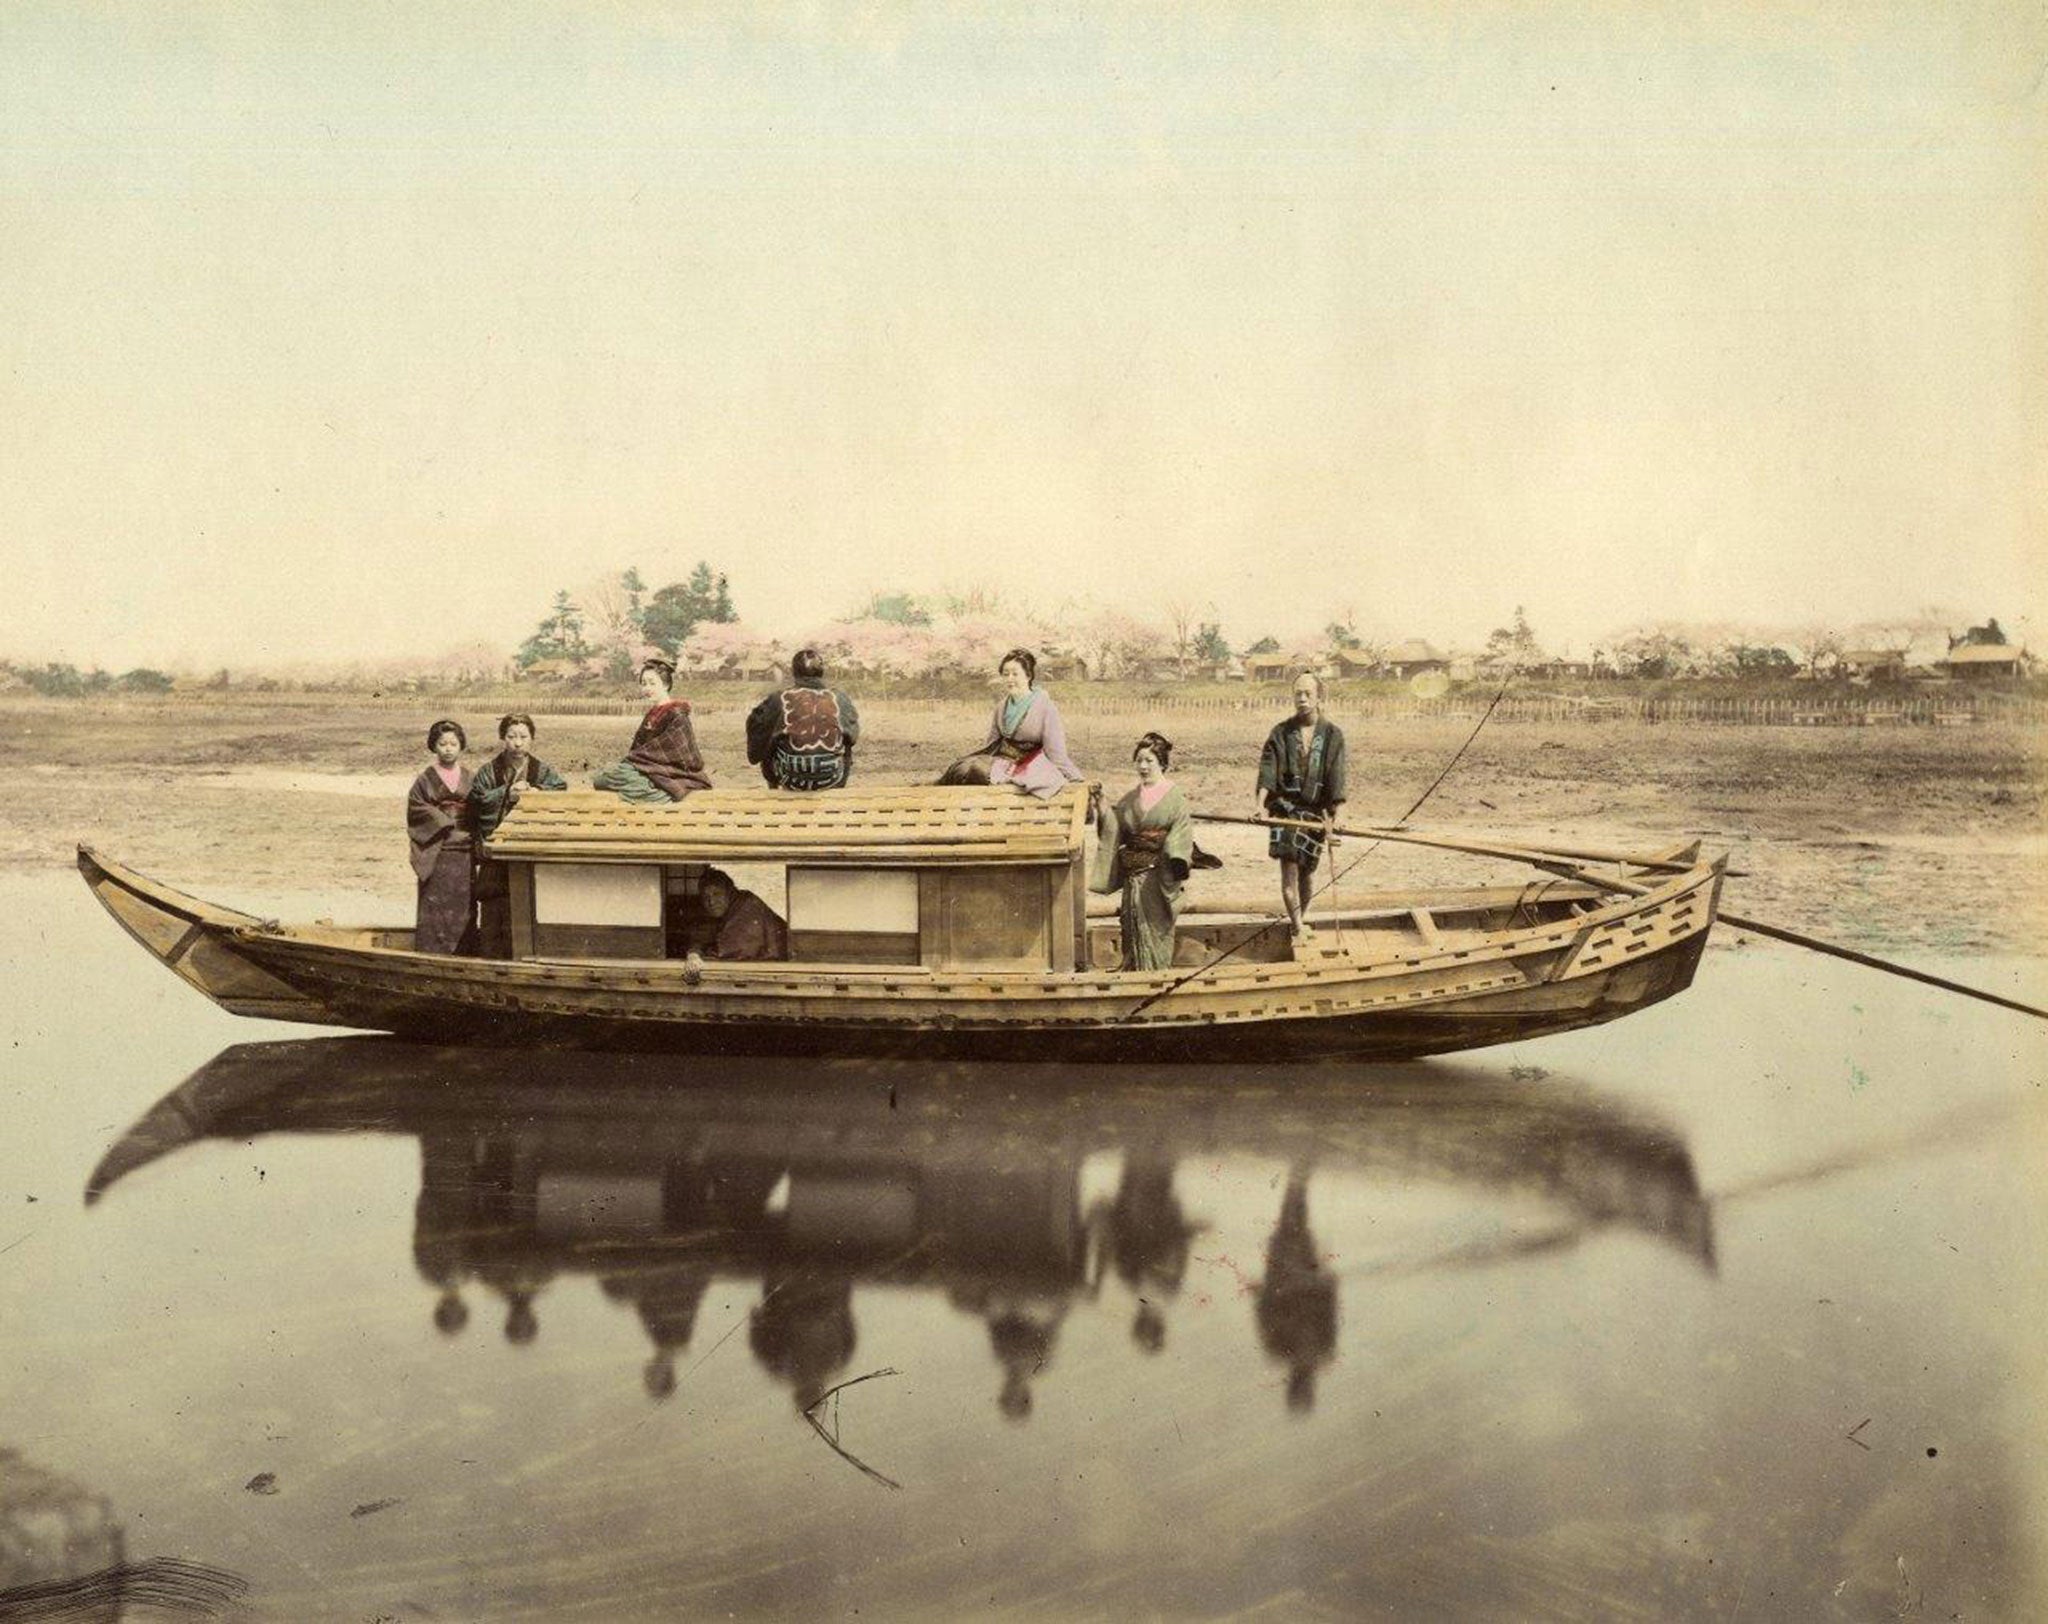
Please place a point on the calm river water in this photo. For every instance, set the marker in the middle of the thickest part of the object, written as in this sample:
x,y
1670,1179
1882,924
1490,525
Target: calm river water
x,y
1731,1310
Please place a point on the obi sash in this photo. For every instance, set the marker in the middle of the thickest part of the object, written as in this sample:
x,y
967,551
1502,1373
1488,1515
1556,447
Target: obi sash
x,y
1141,849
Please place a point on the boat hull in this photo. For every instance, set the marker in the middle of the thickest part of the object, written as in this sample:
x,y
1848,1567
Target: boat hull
x,y
1520,984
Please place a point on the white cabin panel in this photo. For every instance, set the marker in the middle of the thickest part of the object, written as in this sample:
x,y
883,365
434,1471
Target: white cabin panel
x,y
597,894
877,901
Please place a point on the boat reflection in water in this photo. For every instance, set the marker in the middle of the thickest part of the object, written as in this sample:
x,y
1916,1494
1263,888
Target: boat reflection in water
x,y
658,1177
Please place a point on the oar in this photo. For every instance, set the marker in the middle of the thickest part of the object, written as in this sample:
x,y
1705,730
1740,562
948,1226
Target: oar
x,y
1541,856
1556,863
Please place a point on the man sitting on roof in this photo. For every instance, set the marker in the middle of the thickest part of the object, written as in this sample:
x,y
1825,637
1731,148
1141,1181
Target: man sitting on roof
x,y
803,737
741,927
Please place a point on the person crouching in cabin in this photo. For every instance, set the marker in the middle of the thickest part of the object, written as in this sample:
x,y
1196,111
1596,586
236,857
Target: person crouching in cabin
x,y
663,763
1144,848
803,737
1301,779
743,928
437,820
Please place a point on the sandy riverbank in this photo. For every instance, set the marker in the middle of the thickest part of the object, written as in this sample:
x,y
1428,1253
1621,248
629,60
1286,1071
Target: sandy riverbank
x,y
1927,838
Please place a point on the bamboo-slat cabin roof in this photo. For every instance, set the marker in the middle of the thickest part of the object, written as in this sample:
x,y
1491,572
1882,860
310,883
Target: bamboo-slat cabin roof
x,y
912,826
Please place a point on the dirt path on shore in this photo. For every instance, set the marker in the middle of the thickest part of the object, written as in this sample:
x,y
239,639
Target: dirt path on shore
x,y
1930,839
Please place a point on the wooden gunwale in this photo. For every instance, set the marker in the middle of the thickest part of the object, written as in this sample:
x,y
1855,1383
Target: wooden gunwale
x,y
1231,992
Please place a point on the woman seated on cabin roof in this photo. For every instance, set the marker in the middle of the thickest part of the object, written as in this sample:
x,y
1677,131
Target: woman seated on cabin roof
x,y
506,776
1144,848
1027,741
663,763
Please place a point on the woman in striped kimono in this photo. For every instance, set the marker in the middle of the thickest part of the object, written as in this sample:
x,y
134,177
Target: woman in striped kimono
x,y
437,822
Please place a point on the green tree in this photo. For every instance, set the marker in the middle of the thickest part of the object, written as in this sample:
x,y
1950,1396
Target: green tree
x,y
1752,660
558,637
142,680
1210,648
678,609
56,681
1514,643
895,609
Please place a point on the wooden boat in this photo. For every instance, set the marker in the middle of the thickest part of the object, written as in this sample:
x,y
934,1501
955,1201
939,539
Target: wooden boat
x,y
929,922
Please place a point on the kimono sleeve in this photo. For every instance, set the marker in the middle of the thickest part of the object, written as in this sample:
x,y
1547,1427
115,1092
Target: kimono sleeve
x,y
1106,869
1269,765
1179,851
849,718
761,722
427,824
1333,769
545,777
488,800
1055,743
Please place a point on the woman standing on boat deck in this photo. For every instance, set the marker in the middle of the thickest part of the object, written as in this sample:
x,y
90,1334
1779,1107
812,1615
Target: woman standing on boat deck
x,y
664,763
1301,777
437,820
508,774
1144,848
1027,741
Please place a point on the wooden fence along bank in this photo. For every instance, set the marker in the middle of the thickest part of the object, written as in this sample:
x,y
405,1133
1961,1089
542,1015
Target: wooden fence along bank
x,y
1949,708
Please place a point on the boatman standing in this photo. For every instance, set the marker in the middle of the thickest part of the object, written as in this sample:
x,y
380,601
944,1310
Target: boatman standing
x,y
803,737
1301,778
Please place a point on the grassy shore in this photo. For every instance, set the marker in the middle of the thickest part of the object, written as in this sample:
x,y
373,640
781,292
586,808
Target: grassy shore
x,y
1922,837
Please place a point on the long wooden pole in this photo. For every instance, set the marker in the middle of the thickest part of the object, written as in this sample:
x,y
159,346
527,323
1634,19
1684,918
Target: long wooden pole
x,y
1520,854
1556,863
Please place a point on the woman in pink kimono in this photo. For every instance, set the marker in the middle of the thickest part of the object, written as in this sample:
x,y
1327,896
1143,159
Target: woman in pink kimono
x,y
1027,741
437,820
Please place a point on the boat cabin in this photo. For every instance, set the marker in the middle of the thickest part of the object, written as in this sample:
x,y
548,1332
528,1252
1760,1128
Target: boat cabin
x,y
946,878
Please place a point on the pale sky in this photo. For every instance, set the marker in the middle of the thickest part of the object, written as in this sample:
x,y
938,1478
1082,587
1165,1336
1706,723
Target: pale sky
x,y
350,330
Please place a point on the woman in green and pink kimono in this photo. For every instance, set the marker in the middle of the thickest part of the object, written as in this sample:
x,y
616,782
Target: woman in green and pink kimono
x,y
1145,846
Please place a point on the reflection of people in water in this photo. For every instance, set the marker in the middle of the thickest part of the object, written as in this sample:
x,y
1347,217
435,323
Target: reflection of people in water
x,y
1147,1234
667,1299
1023,1327
802,1331
504,1178
441,1227
1297,1301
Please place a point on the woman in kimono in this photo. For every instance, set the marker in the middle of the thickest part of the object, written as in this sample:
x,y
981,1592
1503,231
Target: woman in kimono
x,y
436,819
1301,778
1027,741
1145,846
664,763
509,774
